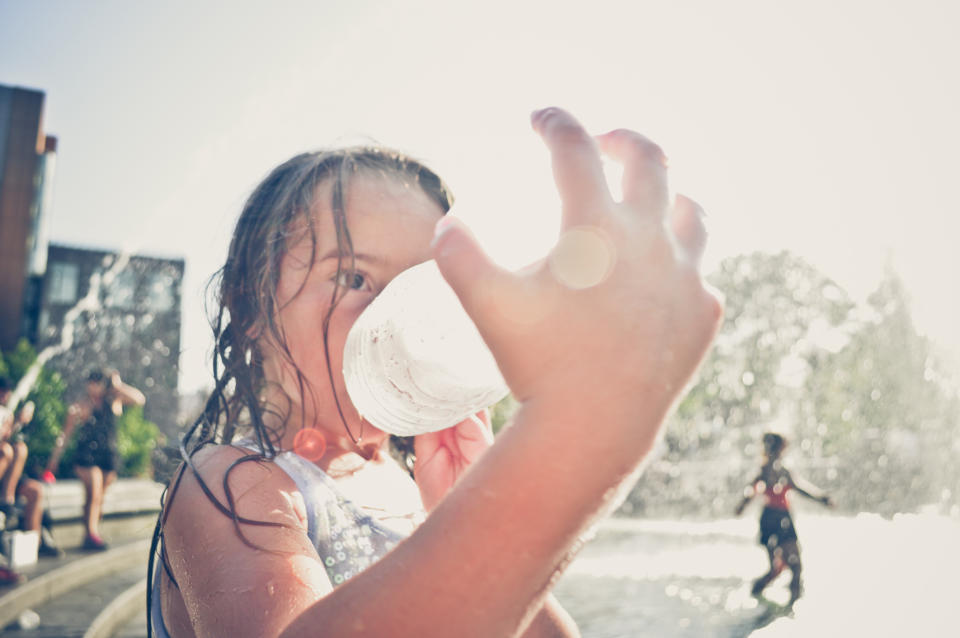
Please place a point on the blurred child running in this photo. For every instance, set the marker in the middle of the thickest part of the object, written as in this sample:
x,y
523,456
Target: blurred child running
x,y
777,532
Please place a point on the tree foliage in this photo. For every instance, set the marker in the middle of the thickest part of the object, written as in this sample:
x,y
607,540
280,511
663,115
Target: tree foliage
x,y
47,396
859,392
883,409
136,440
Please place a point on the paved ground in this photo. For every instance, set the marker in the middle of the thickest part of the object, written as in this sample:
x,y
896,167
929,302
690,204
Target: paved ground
x,y
136,628
69,615
864,577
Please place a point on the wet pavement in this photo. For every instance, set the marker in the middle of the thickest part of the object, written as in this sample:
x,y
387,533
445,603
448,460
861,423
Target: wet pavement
x,y
864,576
69,615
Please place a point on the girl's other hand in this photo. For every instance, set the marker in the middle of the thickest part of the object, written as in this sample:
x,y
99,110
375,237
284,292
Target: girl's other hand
x,y
609,328
442,457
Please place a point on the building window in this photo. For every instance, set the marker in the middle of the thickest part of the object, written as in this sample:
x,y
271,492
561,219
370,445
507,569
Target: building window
x,y
120,291
160,292
62,283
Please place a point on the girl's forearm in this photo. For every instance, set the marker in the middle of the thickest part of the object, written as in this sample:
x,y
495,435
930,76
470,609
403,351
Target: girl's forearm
x,y
61,443
129,395
485,560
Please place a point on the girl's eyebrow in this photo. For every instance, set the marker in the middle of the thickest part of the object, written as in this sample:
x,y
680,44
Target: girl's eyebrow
x,y
335,253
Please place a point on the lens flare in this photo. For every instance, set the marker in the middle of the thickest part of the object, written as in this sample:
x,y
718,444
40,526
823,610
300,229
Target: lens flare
x,y
310,444
583,257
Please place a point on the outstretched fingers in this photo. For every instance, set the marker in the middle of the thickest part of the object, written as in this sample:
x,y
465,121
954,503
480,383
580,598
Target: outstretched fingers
x,y
577,169
644,170
474,277
687,224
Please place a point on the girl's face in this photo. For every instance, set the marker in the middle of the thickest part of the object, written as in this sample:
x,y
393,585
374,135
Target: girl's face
x,y
391,226
96,390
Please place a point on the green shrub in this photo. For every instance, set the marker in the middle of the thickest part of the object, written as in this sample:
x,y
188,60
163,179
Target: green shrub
x,y
136,437
47,396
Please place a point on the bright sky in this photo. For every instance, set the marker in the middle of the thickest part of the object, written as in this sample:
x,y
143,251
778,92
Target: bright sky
x,y
826,127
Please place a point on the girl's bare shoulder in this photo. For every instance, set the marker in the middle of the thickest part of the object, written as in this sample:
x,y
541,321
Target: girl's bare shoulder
x,y
258,489
235,556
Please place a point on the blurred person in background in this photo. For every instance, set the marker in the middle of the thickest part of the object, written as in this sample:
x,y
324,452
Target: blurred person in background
x,y
13,457
777,532
94,417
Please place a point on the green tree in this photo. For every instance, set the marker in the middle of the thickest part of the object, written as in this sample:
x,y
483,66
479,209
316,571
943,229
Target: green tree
x,y
883,412
136,440
136,437
502,412
47,396
778,310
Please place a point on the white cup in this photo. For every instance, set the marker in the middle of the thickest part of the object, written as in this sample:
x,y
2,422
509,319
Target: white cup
x,y
414,362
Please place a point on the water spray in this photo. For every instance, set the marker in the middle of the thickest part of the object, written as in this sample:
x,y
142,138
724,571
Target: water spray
x,y
90,301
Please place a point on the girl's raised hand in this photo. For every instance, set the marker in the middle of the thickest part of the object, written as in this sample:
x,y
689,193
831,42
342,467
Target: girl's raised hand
x,y
609,327
442,457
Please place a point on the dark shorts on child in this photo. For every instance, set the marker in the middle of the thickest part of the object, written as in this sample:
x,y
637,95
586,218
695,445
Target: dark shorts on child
x,y
97,440
776,527
97,446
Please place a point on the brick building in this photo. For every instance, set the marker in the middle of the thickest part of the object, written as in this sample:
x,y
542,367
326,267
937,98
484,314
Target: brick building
x,y
27,159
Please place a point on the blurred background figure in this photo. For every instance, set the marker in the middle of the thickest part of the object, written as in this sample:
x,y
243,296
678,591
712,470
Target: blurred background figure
x,y
94,417
13,485
13,450
777,532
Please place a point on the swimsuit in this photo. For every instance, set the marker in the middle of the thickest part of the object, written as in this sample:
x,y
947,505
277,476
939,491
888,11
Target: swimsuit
x,y
97,440
347,540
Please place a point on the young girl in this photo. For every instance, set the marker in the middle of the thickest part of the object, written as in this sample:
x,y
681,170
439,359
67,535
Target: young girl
x,y
777,533
289,517
97,459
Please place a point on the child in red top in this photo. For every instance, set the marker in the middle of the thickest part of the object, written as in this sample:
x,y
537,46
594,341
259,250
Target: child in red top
x,y
777,532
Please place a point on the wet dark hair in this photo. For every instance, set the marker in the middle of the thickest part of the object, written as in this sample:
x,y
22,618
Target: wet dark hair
x,y
5,383
246,308
99,375
773,444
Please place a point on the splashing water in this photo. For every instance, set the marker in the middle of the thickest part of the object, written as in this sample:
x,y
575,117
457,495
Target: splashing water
x,y
89,302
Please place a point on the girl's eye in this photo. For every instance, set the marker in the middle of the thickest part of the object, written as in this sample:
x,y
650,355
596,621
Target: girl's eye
x,y
353,280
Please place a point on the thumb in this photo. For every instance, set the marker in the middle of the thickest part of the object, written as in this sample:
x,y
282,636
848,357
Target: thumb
x,y
466,267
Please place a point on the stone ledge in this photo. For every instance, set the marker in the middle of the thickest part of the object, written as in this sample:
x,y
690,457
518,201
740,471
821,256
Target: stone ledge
x,y
74,573
119,612
126,497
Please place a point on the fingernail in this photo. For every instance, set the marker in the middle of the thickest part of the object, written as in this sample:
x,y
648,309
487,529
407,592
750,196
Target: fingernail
x,y
537,116
534,117
442,227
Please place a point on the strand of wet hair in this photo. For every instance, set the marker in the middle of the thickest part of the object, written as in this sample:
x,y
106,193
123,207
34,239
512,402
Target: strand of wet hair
x,y
343,235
